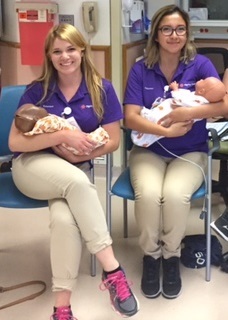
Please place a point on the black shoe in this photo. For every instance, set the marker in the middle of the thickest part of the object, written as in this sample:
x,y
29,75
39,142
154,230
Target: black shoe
x,y
150,283
221,225
171,284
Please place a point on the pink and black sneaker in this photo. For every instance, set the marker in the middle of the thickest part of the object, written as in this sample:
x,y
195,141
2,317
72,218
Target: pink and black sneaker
x,y
122,299
62,313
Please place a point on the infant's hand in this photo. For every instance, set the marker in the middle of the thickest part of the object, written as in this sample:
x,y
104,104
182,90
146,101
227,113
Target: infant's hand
x,y
174,85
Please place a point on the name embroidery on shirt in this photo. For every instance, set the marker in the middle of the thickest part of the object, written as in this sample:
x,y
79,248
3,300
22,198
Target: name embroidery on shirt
x,y
47,107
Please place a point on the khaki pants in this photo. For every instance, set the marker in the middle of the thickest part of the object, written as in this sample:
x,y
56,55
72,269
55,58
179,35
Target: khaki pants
x,y
163,189
75,210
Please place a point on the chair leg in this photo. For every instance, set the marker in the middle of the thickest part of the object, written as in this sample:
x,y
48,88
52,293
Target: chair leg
x,y
208,220
125,219
92,256
93,265
109,165
208,249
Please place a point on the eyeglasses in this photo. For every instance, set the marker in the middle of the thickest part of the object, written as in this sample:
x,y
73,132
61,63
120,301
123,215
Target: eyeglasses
x,y
168,31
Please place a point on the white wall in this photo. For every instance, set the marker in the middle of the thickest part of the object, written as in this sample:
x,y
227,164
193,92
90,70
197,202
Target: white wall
x,y
101,37
154,5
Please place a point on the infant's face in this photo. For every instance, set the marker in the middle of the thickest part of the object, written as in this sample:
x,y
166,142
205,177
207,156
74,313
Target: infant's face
x,y
199,86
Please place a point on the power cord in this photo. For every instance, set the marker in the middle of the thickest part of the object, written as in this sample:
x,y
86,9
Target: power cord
x,y
181,158
204,209
26,298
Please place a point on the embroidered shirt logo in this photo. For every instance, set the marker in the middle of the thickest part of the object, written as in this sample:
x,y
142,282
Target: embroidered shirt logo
x,y
86,106
187,85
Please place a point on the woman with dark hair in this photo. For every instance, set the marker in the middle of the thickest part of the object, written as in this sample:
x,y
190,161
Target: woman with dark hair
x,y
166,174
70,86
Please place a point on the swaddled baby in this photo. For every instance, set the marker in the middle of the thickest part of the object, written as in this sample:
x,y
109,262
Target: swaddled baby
x,y
208,90
31,120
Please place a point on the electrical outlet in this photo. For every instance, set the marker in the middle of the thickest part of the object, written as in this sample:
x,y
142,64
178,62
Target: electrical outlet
x,y
100,160
66,18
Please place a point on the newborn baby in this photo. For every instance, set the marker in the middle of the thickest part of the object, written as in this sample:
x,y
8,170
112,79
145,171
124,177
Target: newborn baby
x,y
31,120
207,90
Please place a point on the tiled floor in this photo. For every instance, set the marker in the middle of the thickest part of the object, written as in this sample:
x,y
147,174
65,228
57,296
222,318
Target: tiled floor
x,y
24,256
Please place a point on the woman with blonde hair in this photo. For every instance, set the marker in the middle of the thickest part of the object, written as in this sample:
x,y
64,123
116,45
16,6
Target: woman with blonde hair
x,y
71,87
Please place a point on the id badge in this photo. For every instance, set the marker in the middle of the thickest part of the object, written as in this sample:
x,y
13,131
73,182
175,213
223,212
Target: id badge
x,y
73,122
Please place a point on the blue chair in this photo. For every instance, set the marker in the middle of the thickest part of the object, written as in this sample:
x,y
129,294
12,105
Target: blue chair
x,y
122,188
10,196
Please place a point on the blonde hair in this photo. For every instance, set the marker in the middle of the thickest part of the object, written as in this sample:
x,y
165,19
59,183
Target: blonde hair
x,y
152,49
93,78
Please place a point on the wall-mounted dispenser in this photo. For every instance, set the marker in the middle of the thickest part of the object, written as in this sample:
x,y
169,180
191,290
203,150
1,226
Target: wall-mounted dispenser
x,y
35,20
127,6
133,15
137,17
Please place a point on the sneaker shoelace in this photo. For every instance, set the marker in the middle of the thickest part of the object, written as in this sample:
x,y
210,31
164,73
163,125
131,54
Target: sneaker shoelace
x,y
119,282
63,313
150,271
173,271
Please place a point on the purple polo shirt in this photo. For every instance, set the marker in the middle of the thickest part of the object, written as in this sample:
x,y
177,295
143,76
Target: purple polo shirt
x,y
146,84
81,104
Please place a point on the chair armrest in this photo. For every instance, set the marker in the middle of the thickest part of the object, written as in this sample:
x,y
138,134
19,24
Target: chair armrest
x,y
6,163
6,158
127,144
214,143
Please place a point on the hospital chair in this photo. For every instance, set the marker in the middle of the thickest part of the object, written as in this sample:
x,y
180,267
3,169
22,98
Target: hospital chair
x,y
10,196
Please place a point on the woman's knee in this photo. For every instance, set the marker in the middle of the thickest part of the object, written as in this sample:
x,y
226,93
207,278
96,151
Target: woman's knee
x,y
176,196
148,193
